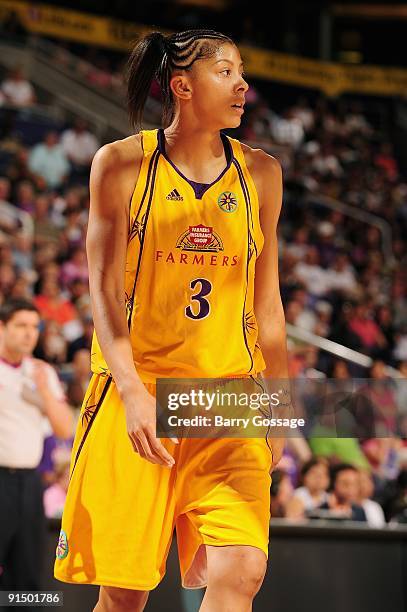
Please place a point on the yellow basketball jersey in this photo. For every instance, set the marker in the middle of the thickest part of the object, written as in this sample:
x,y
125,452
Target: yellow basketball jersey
x,y
190,267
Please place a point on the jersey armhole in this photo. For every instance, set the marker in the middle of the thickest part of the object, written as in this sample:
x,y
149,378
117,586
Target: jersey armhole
x,y
239,154
149,145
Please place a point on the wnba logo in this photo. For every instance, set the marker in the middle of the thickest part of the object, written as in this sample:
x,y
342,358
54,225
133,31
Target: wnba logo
x,y
227,201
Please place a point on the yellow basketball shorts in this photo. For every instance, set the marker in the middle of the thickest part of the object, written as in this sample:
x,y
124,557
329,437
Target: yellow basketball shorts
x,y
121,509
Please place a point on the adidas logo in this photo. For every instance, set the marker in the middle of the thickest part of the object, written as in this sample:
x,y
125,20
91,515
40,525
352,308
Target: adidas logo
x,y
174,195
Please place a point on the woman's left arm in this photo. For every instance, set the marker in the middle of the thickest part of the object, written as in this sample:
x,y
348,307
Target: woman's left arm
x,y
268,307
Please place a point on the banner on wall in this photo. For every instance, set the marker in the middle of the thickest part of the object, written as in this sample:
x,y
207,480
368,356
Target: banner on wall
x,y
328,77
331,78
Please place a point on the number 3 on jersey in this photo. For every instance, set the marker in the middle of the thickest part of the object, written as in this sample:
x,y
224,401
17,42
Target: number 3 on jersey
x,y
203,304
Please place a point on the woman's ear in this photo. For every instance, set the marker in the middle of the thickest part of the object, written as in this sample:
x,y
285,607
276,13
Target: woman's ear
x,y
181,87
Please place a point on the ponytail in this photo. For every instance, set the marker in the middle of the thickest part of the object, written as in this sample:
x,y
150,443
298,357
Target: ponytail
x,y
142,66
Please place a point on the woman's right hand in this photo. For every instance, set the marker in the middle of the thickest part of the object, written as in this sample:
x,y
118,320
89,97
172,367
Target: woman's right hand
x,y
140,408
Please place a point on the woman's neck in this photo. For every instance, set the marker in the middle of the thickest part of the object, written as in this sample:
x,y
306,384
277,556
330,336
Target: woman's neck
x,y
199,154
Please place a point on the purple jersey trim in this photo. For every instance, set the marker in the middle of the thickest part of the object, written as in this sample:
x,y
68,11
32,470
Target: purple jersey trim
x,y
199,188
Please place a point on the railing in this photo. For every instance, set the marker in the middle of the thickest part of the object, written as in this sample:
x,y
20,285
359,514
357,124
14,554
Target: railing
x,y
334,348
79,69
107,117
361,215
284,153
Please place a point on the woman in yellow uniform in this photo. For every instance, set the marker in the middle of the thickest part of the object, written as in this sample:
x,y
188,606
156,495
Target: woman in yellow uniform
x,y
180,220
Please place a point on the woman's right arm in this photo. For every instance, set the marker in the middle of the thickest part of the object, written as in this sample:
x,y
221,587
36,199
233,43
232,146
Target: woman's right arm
x,y
113,175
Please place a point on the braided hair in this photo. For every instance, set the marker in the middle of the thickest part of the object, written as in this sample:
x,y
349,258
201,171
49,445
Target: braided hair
x,y
156,55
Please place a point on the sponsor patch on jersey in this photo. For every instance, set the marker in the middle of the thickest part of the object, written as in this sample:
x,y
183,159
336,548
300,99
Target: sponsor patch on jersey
x,y
174,195
227,201
200,238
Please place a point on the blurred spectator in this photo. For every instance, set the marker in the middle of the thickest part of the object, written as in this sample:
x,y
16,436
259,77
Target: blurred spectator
x,y
10,220
384,319
48,269
356,121
259,122
373,510
342,502
342,276
5,189
288,129
85,340
340,370
73,234
304,113
326,241
323,442
17,169
25,196
7,278
49,162
398,505
79,145
299,449
53,305
289,460
79,292
299,245
313,490
52,345
400,348
17,90
385,159
55,495
382,456
81,375
311,273
55,452
323,324
297,315
362,324
280,493
44,230
326,162
75,268
381,392
21,289
401,388
22,250
310,362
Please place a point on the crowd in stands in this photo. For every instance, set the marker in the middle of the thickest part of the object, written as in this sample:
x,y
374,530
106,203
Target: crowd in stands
x,y
341,279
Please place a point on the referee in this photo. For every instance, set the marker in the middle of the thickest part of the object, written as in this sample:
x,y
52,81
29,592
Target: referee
x,y
32,406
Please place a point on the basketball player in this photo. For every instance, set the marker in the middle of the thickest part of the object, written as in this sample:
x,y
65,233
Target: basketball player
x,y
180,219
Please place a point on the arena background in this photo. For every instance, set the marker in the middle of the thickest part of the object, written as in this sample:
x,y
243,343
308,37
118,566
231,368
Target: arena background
x,y
328,99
